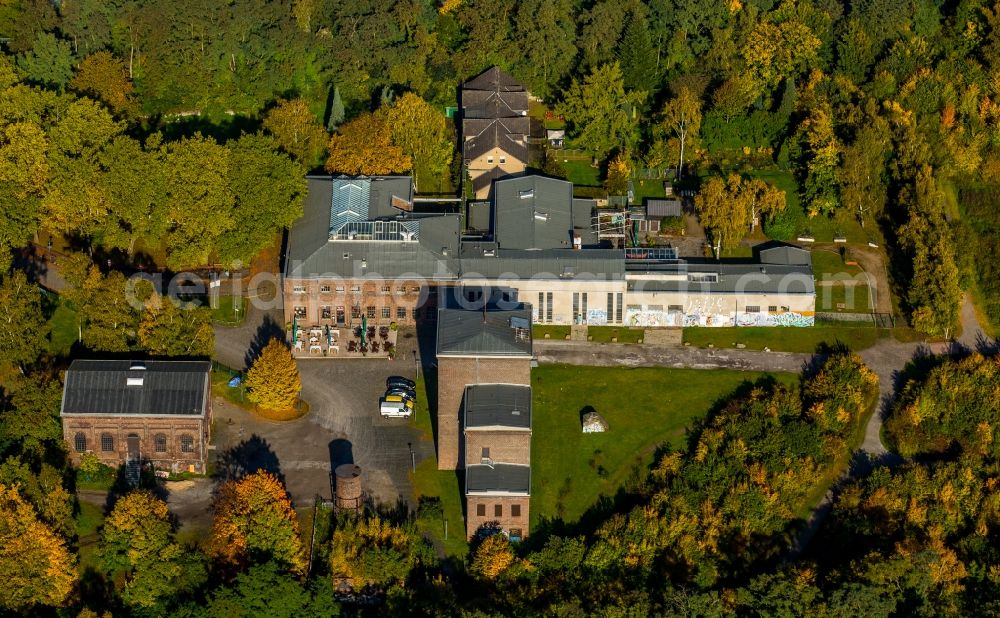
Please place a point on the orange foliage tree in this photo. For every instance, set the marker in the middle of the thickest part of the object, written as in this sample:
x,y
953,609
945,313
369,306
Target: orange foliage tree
x,y
35,566
364,146
493,557
254,521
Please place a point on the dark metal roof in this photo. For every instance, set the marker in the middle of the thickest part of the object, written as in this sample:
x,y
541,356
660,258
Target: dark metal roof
x,y
785,254
463,332
498,405
536,212
136,387
742,277
562,264
498,479
657,209
496,135
494,78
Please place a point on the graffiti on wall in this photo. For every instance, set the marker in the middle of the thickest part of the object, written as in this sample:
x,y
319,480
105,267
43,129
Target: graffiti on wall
x,y
788,318
597,317
652,318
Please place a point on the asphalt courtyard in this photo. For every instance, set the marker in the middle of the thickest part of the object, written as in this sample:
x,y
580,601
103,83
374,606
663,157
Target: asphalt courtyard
x,y
343,424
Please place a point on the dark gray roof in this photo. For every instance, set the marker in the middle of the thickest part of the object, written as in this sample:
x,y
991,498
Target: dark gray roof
x,y
497,405
536,212
657,209
785,254
495,135
463,332
123,387
494,78
732,277
583,265
498,479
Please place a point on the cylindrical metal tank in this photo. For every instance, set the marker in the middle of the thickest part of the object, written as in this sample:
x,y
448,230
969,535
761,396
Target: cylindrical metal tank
x,y
348,487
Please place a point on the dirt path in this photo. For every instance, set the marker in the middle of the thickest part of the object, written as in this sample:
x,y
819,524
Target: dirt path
x,y
873,263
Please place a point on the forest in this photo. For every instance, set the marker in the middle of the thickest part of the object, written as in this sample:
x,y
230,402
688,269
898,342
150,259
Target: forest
x,y
180,133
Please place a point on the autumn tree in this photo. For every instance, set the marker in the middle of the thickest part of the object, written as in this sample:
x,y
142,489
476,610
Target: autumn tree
x,y
41,484
137,540
364,147
168,329
822,157
105,77
733,207
273,380
31,420
421,131
255,522
601,115
765,200
36,567
774,51
682,117
861,175
493,557
134,184
297,131
374,551
108,321
23,329
619,172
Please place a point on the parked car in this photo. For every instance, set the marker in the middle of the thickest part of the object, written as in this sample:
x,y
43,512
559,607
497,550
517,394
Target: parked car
x,y
394,406
405,393
400,381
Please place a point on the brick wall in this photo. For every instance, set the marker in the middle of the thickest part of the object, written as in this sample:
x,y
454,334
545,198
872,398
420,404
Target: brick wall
x,y
405,295
453,375
173,458
506,520
505,446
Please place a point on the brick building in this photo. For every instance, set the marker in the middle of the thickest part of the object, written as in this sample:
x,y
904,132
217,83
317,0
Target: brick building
x,y
158,412
497,423
484,410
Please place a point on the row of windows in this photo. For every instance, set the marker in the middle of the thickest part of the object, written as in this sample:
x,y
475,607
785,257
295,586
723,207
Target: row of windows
x,y
356,289
770,309
108,443
515,510
327,312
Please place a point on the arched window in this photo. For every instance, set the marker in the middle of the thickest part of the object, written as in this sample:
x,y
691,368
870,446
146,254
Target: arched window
x,y
160,442
107,442
187,443
80,442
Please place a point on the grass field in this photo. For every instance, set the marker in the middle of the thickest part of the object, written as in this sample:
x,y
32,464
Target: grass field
x,y
785,339
581,173
538,331
88,521
232,310
821,227
444,485
644,408
64,329
606,333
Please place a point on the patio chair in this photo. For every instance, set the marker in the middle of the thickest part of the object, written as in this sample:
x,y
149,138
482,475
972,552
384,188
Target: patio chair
x,y
375,347
352,346
298,345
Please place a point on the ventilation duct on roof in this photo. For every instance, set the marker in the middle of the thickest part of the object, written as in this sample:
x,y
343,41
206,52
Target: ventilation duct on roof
x,y
526,194
541,216
133,381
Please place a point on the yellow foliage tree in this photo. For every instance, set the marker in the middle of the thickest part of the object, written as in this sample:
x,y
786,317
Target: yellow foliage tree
x,y
364,146
619,171
35,566
298,132
273,380
254,520
493,557
103,76
422,132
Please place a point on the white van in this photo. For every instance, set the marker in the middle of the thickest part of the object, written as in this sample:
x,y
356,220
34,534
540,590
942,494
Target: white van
x,y
394,406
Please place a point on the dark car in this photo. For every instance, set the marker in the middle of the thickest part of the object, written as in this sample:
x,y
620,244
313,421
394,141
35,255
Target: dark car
x,y
405,393
400,382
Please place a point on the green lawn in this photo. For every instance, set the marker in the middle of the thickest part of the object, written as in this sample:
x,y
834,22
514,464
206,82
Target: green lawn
x,y
538,331
624,335
832,298
429,482
785,339
581,173
232,310
647,189
831,263
88,521
644,408
64,329
220,386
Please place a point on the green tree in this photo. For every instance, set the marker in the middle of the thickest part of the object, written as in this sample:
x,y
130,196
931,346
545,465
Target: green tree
x,y
373,551
134,185
269,189
104,77
108,320
337,114
637,56
601,115
544,35
682,117
297,131
273,379
822,157
422,133
49,62
724,210
41,484
23,330
36,567
196,171
137,540
167,329
266,589
861,175
31,422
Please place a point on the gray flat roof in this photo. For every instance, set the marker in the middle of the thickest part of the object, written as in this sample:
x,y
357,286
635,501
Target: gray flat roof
x,y
464,332
498,479
749,277
498,405
535,212
123,387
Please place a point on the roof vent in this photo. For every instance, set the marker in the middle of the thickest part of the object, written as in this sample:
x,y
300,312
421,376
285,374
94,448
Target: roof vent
x,y
542,216
489,252
133,382
444,250
137,366
516,412
347,256
526,194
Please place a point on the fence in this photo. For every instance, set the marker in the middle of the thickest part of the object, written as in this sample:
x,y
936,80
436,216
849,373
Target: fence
x,y
880,320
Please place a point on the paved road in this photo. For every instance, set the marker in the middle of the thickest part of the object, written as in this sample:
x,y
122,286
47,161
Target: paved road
x,y
629,355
